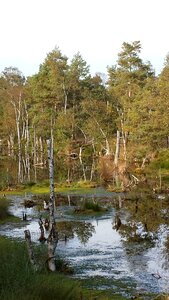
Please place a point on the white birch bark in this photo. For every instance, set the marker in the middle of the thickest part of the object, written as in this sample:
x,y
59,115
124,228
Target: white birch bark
x,y
41,151
27,143
17,118
65,98
81,163
117,152
123,138
30,249
34,147
105,137
53,235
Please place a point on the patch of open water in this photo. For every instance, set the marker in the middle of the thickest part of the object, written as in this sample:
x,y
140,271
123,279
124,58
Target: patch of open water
x,y
105,260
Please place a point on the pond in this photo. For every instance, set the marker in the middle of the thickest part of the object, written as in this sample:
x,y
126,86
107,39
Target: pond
x,y
128,259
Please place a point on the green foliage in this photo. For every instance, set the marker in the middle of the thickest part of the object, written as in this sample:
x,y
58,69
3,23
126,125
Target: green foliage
x,y
4,181
5,216
63,266
83,110
90,205
162,161
4,203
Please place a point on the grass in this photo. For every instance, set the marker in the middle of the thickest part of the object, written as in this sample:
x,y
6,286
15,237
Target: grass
x,y
5,216
89,205
19,281
58,189
4,203
43,188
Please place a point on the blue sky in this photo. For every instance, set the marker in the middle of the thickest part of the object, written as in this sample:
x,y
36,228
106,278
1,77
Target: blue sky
x,y
32,28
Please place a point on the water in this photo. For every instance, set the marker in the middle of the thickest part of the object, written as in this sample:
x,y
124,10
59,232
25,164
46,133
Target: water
x,y
127,261
105,256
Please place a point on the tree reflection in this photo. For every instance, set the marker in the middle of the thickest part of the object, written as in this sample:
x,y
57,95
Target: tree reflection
x,y
68,229
135,232
145,215
143,220
165,253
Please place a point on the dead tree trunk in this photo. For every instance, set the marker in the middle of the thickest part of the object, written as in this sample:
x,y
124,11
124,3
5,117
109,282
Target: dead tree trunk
x,y
17,111
117,153
10,142
42,231
124,138
27,143
30,248
41,151
81,163
92,169
107,148
53,235
34,148
65,98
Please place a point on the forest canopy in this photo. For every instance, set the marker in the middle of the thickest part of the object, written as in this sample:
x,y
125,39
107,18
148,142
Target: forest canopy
x,y
81,109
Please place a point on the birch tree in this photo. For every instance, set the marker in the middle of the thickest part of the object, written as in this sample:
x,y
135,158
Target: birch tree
x,y
53,235
14,87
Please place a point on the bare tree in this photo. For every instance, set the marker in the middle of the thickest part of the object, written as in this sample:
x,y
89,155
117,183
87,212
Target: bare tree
x,y
53,234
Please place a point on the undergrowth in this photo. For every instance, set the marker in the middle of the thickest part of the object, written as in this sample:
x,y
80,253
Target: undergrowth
x,y
19,281
5,216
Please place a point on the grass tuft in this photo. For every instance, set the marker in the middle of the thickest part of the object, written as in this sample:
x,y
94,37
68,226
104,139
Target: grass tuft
x,y
5,216
19,281
4,203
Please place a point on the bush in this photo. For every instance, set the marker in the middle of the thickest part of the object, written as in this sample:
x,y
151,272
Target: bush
x,y
89,205
4,203
162,161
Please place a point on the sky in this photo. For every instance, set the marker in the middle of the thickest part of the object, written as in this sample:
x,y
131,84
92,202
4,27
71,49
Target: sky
x,y
30,29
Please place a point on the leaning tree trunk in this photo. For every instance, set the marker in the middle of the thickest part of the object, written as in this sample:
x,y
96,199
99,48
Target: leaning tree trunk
x,y
53,235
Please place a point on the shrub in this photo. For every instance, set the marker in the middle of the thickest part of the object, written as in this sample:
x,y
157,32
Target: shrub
x,y
4,203
90,205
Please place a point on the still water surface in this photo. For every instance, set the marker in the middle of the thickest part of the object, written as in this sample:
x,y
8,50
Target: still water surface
x,y
105,258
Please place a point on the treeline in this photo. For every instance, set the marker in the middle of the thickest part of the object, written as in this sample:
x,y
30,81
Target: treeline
x,y
124,113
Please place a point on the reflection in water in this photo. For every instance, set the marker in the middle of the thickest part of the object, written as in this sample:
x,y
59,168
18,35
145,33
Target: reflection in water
x,y
70,229
107,255
127,259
